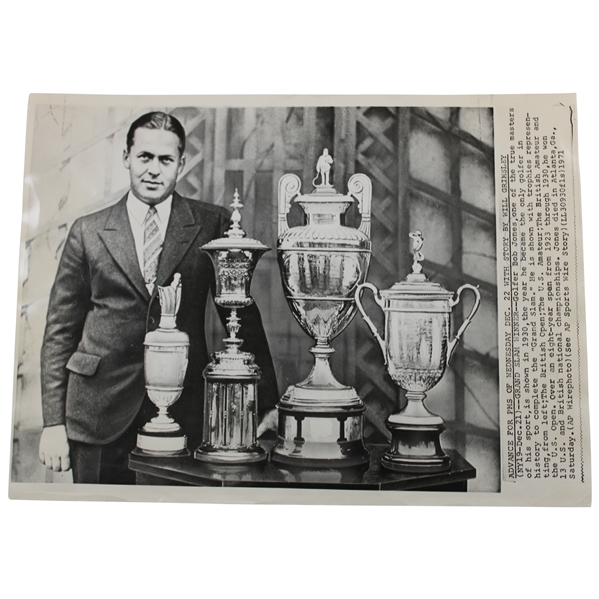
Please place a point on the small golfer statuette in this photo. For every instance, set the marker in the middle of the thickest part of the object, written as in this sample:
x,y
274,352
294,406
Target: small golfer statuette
x,y
165,364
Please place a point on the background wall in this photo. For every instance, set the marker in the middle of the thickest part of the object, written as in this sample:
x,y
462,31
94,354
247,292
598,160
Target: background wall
x,y
432,169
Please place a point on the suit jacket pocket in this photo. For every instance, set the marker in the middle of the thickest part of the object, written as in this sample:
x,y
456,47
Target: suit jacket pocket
x,y
82,363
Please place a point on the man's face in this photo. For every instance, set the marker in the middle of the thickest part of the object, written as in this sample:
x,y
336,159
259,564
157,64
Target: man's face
x,y
154,163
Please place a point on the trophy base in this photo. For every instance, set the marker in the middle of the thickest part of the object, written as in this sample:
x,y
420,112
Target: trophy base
x,y
167,444
321,398
215,455
320,436
415,448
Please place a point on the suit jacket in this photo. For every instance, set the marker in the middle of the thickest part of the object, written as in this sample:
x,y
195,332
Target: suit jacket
x,y
100,310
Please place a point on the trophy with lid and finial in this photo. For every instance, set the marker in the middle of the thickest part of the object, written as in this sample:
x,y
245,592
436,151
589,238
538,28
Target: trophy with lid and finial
x,y
231,378
322,263
417,350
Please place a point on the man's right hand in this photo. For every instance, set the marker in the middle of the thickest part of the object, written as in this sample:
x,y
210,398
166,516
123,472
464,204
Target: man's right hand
x,y
54,448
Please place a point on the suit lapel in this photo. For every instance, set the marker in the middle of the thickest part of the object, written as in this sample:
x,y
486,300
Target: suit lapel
x,y
118,238
182,229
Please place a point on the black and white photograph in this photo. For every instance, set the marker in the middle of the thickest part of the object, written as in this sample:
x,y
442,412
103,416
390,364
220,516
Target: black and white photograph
x,y
239,298
346,353
271,296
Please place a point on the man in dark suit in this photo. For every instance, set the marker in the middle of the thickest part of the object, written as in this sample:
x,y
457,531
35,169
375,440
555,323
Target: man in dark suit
x,y
104,300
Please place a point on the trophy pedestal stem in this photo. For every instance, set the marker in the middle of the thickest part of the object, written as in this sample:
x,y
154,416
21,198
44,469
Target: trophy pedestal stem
x,y
321,374
162,423
415,413
321,391
415,439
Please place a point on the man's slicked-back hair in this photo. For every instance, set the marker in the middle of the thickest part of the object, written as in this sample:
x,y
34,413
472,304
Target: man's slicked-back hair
x,y
157,120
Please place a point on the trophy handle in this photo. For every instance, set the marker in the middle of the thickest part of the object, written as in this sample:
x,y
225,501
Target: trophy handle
x,y
381,303
360,187
289,186
453,344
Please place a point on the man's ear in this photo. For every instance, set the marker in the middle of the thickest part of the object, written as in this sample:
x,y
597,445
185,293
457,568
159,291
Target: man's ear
x,y
126,159
181,165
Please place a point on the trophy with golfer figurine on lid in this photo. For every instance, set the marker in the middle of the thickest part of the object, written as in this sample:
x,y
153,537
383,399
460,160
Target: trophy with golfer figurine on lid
x,y
322,262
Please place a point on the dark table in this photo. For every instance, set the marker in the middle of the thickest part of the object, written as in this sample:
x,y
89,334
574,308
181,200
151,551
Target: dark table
x,y
372,477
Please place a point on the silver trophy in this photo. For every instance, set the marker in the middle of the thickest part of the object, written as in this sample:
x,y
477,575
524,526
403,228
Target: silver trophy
x,y
322,263
417,350
231,379
165,365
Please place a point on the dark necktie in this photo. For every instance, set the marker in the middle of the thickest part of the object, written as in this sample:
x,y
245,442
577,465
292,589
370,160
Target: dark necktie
x,y
152,247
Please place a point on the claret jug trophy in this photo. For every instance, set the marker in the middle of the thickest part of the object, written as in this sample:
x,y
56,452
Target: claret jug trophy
x,y
416,349
321,264
165,365
231,379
